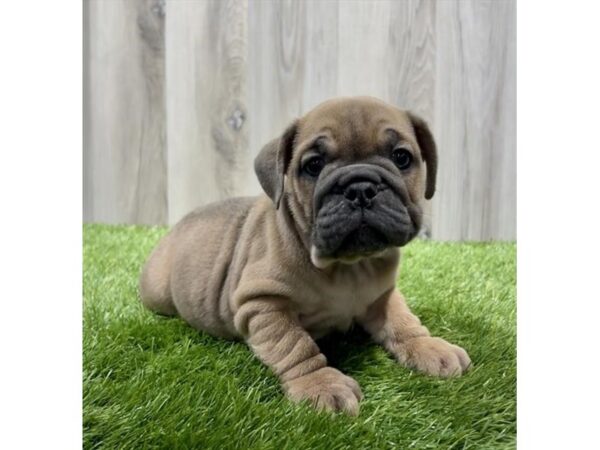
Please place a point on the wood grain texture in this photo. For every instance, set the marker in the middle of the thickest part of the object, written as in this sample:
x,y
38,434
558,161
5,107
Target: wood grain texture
x,y
235,73
321,71
206,102
411,72
475,120
387,50
411,56
275,67
88,168
292,65
364,48
124,112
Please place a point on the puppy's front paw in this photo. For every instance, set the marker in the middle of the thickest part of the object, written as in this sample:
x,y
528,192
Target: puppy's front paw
x,y
326,388
434,356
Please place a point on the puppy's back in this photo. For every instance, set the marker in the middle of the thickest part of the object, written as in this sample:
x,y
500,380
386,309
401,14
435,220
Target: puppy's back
x,y
188,272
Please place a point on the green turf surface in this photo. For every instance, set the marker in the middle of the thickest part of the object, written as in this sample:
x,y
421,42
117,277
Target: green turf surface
x,y
154,382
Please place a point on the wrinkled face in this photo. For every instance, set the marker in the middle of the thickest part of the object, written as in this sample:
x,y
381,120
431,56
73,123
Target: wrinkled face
x,y
355,179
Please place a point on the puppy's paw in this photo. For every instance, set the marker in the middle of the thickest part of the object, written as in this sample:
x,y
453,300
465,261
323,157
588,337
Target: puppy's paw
x,y
433,356
326,388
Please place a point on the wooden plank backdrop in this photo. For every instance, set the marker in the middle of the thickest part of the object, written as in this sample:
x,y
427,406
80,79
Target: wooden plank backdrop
x,y
125,176
180,95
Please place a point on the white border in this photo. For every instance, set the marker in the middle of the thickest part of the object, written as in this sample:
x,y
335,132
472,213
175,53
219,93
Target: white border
x,y
558,224
40,188
558,179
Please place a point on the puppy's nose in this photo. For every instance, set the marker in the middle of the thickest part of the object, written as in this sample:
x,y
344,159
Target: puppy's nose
x,y
361,193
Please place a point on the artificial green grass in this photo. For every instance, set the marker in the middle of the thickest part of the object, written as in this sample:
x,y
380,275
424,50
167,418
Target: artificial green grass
x,y
154,382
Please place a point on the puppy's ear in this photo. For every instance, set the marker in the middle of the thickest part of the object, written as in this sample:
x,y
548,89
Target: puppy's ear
x,y
272,162
428,152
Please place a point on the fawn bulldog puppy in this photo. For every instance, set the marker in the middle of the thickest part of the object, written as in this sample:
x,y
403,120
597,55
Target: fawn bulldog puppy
x,y
344,189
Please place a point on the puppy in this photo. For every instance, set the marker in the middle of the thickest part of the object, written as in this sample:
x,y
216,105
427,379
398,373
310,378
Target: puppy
x,y
344,189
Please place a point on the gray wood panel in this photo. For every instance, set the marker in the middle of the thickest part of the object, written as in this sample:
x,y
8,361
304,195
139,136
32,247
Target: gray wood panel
x,y
179,124
321,71
475,120
364,48
206,100
124,112
275,69
292,65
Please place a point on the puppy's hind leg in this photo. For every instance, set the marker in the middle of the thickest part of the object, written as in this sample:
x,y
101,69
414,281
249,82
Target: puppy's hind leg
x,y
155,287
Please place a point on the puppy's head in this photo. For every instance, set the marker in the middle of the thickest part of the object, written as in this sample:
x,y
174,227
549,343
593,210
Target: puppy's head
x,y
354,173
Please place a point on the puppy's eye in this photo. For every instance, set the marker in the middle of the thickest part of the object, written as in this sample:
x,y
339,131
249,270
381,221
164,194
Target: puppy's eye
x,y
314,166
402,158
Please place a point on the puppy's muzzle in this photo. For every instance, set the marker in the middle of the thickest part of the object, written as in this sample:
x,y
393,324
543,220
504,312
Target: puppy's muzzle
x,y
357,182
360,209
360,189
361,194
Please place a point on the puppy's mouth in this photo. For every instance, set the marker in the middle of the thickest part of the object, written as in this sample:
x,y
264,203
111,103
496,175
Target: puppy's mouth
x,y
349,235
360,214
